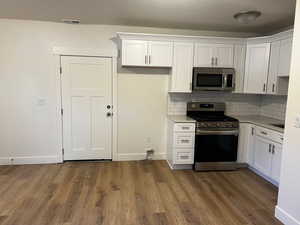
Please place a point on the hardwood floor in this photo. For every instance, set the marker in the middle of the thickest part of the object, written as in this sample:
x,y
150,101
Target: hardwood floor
x,y
132,193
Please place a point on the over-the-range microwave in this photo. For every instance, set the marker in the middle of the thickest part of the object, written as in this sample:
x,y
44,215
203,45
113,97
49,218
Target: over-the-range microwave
x,y
213,79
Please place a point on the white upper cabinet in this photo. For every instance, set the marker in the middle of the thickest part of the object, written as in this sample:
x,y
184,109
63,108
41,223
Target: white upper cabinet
x,y
224,55
285,57
160,53
213,55
257,64
204,55
147,53
182,70
134,53
239,66
273,68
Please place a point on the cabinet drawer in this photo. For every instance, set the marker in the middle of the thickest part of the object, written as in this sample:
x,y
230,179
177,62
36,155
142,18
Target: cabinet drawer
x,y
184,140
184,156
270,134
184,127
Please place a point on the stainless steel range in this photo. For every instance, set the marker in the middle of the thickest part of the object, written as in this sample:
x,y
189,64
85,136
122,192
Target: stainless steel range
x,y
216,136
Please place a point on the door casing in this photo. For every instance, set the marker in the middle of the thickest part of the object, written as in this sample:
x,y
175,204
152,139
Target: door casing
x,y
58,52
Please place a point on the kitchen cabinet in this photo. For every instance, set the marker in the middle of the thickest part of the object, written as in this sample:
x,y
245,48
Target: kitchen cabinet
x,y
261,149
262,158
182,70
267,152
180,145
213,55
276,161
239,66
134,53
273,68
160,53
257,64
147,53
245,143
285,57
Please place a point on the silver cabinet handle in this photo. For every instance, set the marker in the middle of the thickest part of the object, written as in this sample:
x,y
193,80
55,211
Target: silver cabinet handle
x,y
273,149
185,128
149,59
264,133
216,61
185,141
264,88
273,88
212,61
252,131
145,59
270,147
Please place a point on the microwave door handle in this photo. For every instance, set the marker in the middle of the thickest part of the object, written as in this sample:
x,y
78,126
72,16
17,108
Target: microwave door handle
x,y
224,81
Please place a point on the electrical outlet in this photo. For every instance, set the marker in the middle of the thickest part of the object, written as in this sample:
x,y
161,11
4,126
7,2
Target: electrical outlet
x,y
297,121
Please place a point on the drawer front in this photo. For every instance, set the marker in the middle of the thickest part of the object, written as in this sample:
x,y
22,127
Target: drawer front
x,y
184,127
270,134
184,140
184,156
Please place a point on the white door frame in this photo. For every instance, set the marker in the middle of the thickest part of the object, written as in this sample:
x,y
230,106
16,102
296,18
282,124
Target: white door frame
x,y
60,51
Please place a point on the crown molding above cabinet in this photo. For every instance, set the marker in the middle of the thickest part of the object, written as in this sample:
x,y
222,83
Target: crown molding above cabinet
x,y
182,53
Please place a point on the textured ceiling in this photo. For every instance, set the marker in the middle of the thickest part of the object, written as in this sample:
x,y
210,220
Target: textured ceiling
x,y
186,14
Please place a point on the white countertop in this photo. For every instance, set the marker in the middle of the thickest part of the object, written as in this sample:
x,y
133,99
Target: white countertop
x,y
262,121
181,119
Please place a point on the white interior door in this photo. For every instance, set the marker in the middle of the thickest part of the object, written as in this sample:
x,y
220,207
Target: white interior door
x,y
86,95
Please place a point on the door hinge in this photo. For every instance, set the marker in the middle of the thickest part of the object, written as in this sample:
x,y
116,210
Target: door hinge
x,y
62,111
60,70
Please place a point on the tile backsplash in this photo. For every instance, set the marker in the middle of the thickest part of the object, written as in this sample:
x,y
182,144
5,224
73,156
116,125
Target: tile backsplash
x,y
236,104
273,106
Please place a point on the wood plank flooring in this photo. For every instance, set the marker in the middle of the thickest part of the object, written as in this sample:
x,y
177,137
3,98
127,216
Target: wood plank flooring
x,y
132,193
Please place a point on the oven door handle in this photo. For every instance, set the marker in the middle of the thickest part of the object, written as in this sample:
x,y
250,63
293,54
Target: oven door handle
x,y
219,132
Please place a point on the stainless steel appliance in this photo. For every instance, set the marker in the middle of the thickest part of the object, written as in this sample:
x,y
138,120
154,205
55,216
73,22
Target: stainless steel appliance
x,y
213,79
216,139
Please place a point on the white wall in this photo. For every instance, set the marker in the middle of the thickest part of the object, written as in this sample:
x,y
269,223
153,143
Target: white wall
x,y
288,209
27,74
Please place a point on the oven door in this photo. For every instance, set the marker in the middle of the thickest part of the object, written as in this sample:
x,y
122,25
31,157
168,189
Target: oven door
x,y
216,146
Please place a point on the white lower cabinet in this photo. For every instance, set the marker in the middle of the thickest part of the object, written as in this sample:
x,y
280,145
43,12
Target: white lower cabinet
x,y
261,149
180,145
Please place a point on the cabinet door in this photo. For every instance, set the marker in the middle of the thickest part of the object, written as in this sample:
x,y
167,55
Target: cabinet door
x,y
262,155
160,54
285,57
134,53
204,54
276,161
239,66
273,67
245,151
224,55
182,71
257,64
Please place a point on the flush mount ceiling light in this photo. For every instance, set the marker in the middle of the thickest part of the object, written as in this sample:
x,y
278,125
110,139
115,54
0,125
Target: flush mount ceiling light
x,y
246,17
71,21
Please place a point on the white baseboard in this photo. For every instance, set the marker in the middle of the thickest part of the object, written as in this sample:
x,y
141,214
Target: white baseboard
x,y
263,176
139,156
4,161
284,217
35,160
